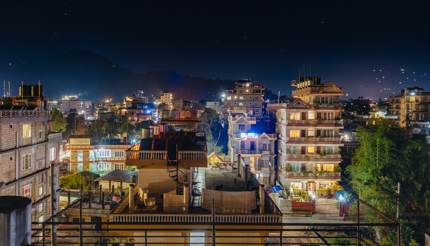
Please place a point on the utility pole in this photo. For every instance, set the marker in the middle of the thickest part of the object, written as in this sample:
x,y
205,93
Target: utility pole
x,y
399,239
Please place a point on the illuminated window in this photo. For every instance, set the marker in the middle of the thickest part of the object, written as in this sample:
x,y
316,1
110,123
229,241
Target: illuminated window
x,y
26,161
26,190
311,133
311,115
40,190
26,131
325,167
311,149
295,116
52,154
294,133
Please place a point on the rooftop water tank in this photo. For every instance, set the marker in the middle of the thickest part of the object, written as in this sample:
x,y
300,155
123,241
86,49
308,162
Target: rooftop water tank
x,y
15,220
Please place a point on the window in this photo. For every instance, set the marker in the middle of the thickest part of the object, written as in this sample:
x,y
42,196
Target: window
x,y
26,190
311,115
40,134
241,127
311,149
52,154
295,116
325,167
296,167
26,131
40,207
26,161
40,190
264,147
294,133
311,133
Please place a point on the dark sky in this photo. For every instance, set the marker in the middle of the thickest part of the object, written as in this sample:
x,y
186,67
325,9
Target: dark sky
x,y
100,48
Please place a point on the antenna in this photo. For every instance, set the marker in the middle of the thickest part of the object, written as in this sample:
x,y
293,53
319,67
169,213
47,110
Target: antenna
x,y
4,88
8,94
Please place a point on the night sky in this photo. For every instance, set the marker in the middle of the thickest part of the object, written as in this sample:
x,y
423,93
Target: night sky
x,y
372,49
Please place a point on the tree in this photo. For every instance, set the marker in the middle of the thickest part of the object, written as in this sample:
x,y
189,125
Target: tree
x,y
214,130
58,122
388,155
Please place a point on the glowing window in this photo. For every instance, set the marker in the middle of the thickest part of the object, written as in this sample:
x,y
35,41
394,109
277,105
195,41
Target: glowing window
x,y
311,149
295,116
26,190
311,115
311,133
294,133
325,167
26,131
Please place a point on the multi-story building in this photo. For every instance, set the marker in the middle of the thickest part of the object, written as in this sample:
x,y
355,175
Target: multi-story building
x,y
27,150
98,158
174,186
252,141
72,103
167,99
246,97
412,107
309,126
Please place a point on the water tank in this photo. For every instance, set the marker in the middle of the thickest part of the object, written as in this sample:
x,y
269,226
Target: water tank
x,y
15,220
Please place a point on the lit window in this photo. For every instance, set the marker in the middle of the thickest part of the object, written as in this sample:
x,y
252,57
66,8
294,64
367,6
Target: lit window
x,y
241,97
311,133
26,190
325,167
311,115
26,131
52,154
295,116
294,133
311,149
26,161
40,190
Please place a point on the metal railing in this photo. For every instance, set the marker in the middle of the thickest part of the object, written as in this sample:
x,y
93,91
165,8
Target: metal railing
x,y
191,155
197,218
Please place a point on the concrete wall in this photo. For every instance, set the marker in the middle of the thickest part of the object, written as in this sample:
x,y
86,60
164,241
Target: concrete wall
x,y
227,202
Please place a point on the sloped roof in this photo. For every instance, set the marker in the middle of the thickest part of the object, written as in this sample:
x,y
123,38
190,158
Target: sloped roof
x,y
119,175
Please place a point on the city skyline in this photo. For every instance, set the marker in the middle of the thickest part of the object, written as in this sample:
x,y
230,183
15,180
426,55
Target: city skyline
x,y
95,49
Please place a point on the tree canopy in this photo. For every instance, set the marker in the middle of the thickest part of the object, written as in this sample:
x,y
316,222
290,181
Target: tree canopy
x,y
386,156
58,122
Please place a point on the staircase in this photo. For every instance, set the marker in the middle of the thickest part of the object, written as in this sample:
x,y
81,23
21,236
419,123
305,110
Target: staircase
x,y
177,175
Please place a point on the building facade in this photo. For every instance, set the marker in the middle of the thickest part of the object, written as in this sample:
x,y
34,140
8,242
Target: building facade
x,y
252,142
96,158
246,97
27,150
309,127
412,107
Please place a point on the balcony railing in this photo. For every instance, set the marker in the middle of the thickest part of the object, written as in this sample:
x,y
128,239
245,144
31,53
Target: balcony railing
x,y
316,139
197,218
22,113
192,155
315,123
147,155
310,157
312,175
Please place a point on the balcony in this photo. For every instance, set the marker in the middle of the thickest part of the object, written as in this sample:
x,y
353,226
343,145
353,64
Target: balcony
x,y
263,219
147,158
314,157
315,123
315,140
23,113
311,175
158,158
